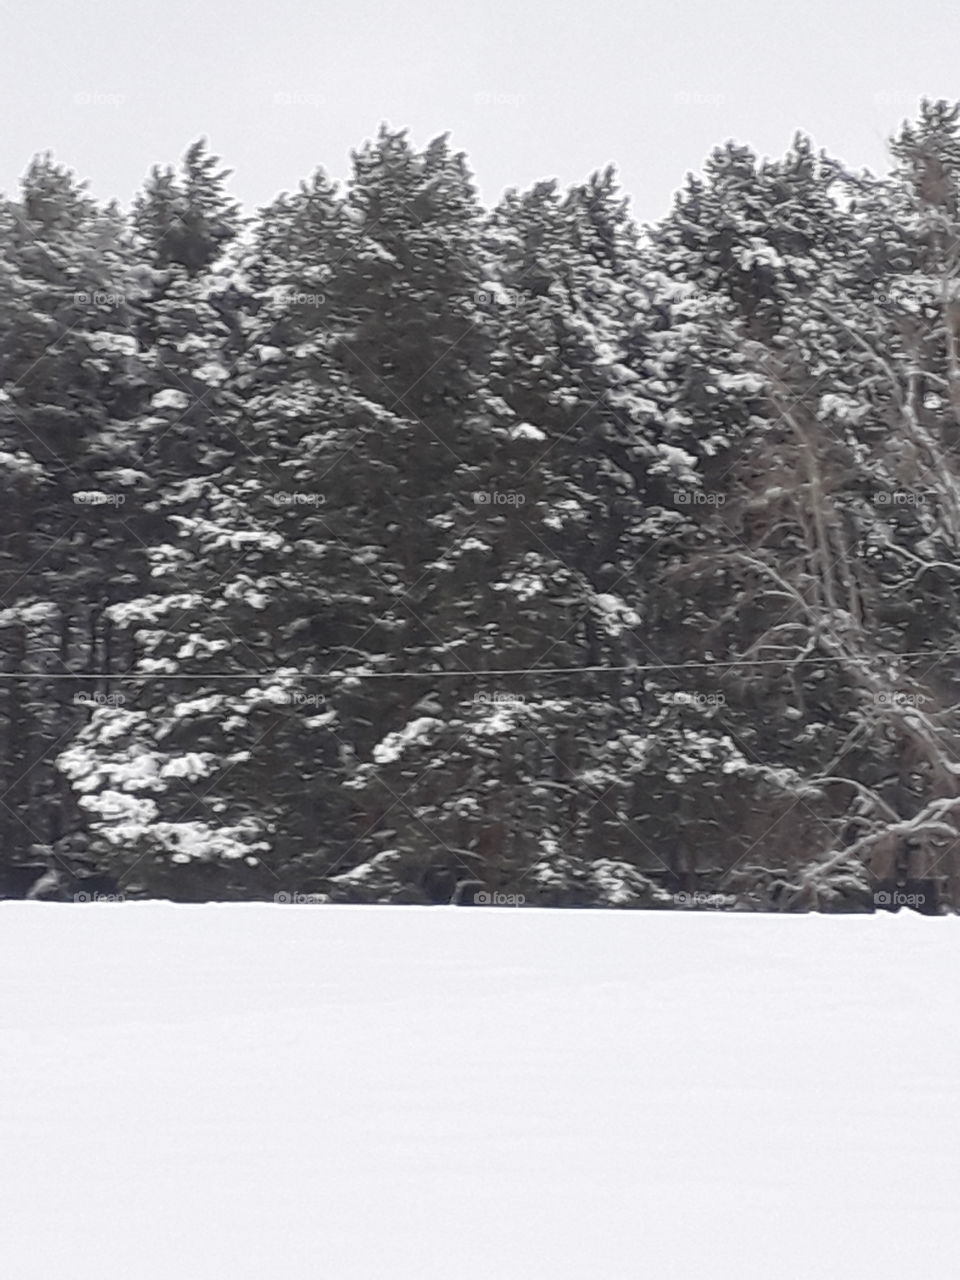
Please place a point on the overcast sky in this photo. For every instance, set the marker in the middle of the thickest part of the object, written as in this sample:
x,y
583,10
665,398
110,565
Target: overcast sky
x,y
528,88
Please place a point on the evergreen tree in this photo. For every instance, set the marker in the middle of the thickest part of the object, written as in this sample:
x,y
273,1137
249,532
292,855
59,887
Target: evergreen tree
x,y
282,508
70,373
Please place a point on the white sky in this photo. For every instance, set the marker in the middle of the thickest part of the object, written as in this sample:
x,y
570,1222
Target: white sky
x,y
528,89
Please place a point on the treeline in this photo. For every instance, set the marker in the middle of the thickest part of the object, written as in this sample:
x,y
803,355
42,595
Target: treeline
x,y
381,542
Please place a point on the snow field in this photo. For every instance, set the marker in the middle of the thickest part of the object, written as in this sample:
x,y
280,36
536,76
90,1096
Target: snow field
x,y
231,1092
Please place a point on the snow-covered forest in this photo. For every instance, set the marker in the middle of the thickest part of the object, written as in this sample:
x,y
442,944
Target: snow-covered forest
x,y
381,541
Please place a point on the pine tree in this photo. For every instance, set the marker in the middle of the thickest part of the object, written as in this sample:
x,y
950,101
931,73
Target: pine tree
x,y
156,741
694,489
69,378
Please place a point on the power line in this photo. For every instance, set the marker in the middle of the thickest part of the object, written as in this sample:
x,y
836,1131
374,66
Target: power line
x,y
459,675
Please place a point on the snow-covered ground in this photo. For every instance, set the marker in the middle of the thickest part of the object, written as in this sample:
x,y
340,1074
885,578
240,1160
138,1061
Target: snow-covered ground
x,y
330,1093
